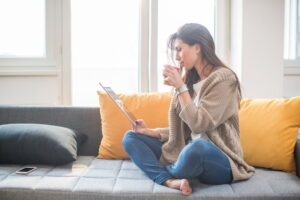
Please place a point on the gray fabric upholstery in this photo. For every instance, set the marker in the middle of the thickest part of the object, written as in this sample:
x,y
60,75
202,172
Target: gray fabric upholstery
x,y
297,156
82,119
89,178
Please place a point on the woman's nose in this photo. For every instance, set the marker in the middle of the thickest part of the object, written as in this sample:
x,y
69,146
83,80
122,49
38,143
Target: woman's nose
x,y
177,57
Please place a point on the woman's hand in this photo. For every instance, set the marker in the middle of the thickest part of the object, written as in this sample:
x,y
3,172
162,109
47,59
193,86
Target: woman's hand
x,y
140,126
172,76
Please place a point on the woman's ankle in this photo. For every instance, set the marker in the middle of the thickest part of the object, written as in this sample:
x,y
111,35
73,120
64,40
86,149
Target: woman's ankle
x,y
168,182
173,183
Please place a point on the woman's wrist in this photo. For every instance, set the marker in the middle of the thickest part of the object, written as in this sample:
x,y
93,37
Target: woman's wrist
x,y
152,133
181,89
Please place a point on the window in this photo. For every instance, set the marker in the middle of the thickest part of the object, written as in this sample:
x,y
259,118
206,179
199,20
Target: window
x,y
123,43
292,30
30,37
292,38
22,28
171,15
31,52
105,36
291,48
298,31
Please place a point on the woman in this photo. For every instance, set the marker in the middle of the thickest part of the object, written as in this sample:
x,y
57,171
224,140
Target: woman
x,y
202,140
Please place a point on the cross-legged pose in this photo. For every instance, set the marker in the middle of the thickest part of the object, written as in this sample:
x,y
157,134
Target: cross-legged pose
x,y
202,140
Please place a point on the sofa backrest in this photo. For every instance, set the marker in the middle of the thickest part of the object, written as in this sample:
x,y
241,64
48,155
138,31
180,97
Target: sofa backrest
x,y
83,119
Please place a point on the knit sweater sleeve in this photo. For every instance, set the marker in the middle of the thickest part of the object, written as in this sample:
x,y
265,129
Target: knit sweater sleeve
x,y
164,133
217,105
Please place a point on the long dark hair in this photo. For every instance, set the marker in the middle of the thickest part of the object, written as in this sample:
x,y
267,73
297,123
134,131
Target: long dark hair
x,y
192,34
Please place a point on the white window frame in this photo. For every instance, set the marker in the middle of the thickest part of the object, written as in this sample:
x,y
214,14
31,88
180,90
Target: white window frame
x,y
41,66
66,53
291,66
144,44
222,30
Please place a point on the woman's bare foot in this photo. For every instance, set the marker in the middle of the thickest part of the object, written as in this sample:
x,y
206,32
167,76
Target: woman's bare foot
x,y
179,184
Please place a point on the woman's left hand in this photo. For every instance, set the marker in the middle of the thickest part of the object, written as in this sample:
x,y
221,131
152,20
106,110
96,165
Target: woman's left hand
x,y
140,126
172,76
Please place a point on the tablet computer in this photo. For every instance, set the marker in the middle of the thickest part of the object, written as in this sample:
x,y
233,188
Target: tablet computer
x,y
119,103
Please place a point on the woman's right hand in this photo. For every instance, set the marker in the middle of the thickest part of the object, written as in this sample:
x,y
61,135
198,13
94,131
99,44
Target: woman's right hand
x,y
140,126
172,76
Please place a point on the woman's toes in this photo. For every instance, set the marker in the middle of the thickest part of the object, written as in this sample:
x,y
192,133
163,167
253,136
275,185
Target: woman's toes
x,y
185,187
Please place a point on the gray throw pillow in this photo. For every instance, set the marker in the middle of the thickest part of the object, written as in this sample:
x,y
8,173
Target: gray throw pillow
x,y
38,144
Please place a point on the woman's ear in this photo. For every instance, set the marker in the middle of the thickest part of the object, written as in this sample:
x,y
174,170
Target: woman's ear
x,y
197,48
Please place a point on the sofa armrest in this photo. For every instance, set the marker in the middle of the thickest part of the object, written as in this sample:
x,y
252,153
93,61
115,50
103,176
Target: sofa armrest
x,y
297,156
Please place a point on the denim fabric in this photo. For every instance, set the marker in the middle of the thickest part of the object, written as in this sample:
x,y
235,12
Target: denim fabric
x,y
198,159
145,151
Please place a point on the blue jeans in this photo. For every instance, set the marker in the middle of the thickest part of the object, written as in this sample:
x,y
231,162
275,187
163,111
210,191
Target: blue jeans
x,y
198,159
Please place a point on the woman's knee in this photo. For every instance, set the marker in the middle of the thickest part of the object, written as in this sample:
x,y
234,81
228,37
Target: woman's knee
x,y
199,148
128,138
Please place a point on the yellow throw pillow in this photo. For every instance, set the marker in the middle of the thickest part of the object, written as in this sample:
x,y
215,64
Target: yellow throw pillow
x,y
152,107
269,129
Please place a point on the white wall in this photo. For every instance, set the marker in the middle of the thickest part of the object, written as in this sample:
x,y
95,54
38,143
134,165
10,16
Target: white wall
x,y
30,90
257,46
291,80
28,85
291,85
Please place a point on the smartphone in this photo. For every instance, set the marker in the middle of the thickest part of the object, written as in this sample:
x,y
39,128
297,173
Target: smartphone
x,y
26,170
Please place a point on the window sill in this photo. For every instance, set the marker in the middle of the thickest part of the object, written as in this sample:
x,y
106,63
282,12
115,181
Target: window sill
x,y
7,73
291,67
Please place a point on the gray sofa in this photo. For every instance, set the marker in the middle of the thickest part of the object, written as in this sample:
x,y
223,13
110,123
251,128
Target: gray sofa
x,y
89,178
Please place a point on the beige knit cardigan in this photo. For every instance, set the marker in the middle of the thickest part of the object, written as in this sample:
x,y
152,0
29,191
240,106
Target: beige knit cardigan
x,y
217,115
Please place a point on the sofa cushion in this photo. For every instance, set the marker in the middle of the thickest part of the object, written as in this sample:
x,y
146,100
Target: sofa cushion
x,y
269,129
89,178
38,144
152,107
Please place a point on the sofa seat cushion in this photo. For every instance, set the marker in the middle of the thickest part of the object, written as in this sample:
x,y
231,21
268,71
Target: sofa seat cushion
x,y
90,179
